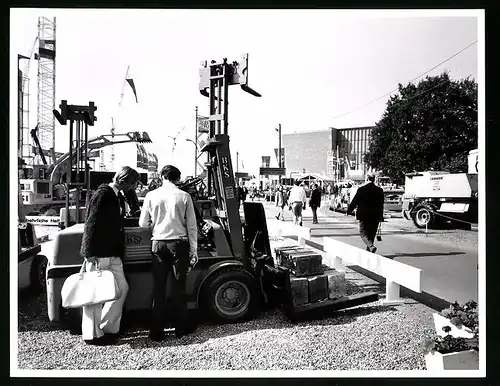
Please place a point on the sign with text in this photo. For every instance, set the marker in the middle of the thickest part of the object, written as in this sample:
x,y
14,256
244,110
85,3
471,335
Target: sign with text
x,y
272,171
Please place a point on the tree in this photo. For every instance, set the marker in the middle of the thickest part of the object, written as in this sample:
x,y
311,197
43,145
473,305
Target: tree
x,y
428,126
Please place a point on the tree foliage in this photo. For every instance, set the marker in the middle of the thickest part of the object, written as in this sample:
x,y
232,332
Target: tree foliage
x,y
428,126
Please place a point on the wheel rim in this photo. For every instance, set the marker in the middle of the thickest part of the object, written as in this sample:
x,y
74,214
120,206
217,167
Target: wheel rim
x,y
423,216
232,298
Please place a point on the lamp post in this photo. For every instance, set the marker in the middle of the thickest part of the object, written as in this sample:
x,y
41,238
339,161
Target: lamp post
x,y
195,153
195,140
279,149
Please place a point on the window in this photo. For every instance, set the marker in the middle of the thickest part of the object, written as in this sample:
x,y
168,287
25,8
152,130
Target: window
x,y
42,188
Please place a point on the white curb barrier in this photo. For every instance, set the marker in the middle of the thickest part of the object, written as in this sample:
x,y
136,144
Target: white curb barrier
x,y
396,274
282,229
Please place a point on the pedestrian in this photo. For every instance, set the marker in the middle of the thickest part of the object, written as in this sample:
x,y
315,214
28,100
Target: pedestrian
x,y
315,202
280,202
103,247
297,201
369,201
169,212
329,191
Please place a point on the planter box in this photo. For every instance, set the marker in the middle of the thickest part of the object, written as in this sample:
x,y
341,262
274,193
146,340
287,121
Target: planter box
x,y
462,360
440,321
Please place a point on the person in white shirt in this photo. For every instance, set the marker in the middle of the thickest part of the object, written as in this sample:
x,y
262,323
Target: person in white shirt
x,y
170,213
297,201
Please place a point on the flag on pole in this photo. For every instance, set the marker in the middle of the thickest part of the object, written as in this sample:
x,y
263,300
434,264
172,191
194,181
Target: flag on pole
x,y
130,81
203,124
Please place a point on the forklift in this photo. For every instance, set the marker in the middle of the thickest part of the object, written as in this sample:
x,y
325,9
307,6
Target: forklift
x,y
236,275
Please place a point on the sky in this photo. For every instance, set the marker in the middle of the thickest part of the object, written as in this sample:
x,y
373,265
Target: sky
x,y
311,66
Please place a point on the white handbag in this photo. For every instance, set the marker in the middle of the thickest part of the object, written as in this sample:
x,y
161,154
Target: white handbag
x,y
89,288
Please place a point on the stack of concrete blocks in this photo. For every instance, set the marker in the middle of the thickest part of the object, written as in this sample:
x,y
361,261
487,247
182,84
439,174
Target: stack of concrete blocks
x,y
310,280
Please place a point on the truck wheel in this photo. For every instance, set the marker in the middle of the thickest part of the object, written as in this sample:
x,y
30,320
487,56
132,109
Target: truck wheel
x,y
38,281
423,217
231,296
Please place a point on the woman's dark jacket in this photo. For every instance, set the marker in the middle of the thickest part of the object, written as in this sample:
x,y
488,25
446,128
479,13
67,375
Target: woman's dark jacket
x,y
103,234
315,200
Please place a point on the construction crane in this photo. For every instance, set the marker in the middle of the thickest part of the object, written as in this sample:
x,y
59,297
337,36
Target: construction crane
x,y
25,149
46,91
113,127
174,144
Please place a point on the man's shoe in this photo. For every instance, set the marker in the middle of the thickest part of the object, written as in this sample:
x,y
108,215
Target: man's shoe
x,y
104,340
300,223
186,331
157,336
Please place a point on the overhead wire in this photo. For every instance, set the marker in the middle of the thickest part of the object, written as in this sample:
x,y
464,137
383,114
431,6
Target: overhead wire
x,y
421,75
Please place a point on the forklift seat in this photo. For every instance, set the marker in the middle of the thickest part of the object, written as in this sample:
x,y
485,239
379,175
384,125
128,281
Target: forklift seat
x,y
255,222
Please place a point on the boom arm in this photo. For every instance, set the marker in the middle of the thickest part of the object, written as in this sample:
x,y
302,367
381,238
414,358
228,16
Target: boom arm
x,y
61,166
37,142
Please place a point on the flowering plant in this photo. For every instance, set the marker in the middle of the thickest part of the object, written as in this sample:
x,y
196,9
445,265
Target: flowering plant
x,y
463,315
459,315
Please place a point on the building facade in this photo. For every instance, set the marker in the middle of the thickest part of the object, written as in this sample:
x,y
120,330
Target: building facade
x,y
336,153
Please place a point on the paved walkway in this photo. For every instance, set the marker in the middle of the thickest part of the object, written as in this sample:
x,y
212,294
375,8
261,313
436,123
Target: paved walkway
x,y
449,271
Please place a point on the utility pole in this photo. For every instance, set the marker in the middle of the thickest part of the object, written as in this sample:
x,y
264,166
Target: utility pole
x,y
195,141
237,162
279,150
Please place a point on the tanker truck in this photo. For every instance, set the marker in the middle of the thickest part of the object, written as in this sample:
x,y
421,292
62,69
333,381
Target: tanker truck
x,y
431,197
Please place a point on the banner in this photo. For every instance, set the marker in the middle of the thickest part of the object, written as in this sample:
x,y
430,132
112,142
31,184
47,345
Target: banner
x,y
152,162
203,124
282,156
266,160
142,157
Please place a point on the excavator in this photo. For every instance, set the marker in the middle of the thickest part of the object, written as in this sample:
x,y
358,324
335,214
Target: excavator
x,y
236,275
44,194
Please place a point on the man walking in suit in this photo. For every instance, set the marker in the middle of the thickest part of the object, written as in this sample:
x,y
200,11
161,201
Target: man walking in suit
x,y
369,201
315,202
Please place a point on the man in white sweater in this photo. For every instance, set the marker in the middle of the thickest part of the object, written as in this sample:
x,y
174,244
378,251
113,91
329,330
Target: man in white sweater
x,y
169,211
297,201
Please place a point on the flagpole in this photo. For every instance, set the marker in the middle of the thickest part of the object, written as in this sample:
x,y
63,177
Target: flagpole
x,y
195,140
123,88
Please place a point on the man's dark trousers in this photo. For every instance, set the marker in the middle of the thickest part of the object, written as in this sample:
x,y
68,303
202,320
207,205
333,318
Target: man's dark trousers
x,y
165,255
368,231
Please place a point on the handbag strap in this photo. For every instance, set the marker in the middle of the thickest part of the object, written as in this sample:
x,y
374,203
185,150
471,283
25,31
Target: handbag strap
x,y
83,269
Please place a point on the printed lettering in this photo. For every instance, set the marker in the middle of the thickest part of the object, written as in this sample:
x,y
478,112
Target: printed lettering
x,y
134,239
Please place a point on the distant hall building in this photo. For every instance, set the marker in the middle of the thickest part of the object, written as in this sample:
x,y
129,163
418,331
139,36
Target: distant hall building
x,y
336,153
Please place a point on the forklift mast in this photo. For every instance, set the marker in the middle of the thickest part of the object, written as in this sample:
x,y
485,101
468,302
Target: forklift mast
x,y
215,79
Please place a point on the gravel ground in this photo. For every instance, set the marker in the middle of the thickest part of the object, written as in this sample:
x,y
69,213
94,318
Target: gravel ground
x,y
367,337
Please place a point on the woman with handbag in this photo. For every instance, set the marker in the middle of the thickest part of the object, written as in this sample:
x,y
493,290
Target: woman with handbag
x,y
103,248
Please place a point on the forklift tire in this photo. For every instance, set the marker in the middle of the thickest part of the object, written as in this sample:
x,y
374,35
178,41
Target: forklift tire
x,y
423,217
230,296
38,283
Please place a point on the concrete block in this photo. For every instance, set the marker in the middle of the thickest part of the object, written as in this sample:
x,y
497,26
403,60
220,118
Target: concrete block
x,y
318,288
300,290
302,262
279,251
336,284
